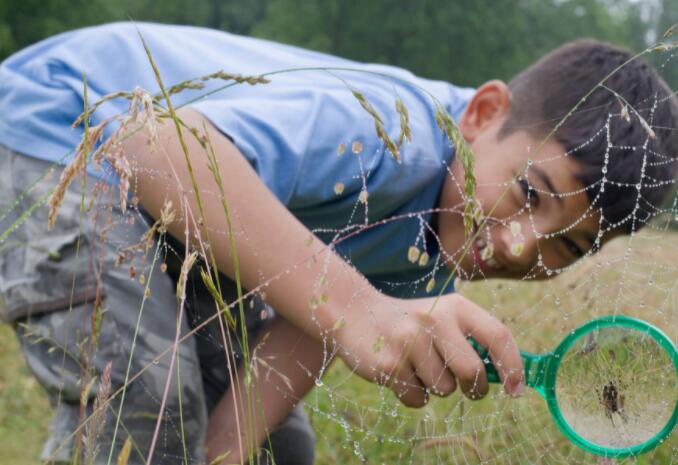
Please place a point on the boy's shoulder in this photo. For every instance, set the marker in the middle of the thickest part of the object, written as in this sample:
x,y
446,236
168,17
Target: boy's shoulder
x,y
298,113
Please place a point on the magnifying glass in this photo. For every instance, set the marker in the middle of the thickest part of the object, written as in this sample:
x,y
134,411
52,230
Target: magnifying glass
x,y
611,385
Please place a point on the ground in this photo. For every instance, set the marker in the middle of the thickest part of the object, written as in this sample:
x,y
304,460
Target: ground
x,y
357,422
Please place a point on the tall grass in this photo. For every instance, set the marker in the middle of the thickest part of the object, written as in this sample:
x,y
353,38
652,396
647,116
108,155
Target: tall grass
x,y
355,421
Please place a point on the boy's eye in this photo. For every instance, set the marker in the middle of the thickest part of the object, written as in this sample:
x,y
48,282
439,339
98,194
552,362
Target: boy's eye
x,y
531,195
572,247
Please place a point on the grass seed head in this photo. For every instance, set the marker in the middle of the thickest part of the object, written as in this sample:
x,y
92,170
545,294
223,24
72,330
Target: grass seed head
x,y
517,249
378,124
646,126
465,156
95,425
77,165
123,456
488,252
665,46
362,197
405,131
515,228
167,216
669,32
115,95
413,254
340,323
378,344
186,266
239,78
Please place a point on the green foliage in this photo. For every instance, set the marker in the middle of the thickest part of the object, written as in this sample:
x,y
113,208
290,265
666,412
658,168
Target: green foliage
x,y
24,408
464,41
667,16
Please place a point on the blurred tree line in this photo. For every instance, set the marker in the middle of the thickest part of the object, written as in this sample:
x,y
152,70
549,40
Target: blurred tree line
x,y
461,41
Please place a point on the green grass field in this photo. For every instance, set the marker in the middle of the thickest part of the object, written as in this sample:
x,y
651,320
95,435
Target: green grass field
x,y
24,409
360,423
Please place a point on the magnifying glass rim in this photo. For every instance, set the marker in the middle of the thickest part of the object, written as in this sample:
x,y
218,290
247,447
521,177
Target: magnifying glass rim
x,y
552,369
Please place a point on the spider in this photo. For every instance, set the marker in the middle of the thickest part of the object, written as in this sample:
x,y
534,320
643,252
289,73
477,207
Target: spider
x,y
612,400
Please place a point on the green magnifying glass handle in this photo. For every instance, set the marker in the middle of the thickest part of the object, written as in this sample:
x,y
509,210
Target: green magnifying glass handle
x,y
535,366
580,404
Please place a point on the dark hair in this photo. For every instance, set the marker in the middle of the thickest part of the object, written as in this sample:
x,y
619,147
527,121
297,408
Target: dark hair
x,y
638,162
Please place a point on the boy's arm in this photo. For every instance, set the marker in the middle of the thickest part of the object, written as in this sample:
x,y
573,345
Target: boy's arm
x,y
408,344
286,365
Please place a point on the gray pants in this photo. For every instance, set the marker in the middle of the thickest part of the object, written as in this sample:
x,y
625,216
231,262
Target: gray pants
x,y
75,296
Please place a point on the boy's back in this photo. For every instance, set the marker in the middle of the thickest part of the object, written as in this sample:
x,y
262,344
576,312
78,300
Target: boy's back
x,y
292,130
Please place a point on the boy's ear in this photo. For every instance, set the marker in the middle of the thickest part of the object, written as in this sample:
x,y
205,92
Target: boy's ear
x,y
490,103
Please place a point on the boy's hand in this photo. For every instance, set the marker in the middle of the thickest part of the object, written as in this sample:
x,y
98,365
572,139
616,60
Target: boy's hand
x,y
420,346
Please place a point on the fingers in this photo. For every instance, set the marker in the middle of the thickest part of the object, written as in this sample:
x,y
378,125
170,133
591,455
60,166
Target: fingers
x,y
463,361
396,373
496,337
429,352
412,385
431,369
408,387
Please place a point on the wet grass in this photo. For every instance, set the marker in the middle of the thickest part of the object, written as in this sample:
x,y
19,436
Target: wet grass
x,y
354,420
24,409
499,430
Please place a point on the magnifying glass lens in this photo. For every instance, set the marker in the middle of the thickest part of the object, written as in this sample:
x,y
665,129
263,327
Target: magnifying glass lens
x,y
616,387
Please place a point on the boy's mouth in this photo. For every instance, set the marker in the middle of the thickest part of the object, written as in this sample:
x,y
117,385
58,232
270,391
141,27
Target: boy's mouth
x,y
483,253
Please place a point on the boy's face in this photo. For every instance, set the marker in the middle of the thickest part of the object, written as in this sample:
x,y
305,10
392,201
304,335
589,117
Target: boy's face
x,y
537,213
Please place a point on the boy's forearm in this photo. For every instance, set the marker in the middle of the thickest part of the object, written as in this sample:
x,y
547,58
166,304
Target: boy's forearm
x,y
272,246
285,365
312,286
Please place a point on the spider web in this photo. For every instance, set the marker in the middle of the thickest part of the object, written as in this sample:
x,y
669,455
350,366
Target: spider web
x,y
357,422
632,275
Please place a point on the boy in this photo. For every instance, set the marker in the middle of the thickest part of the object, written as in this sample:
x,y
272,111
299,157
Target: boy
x,y
277,146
